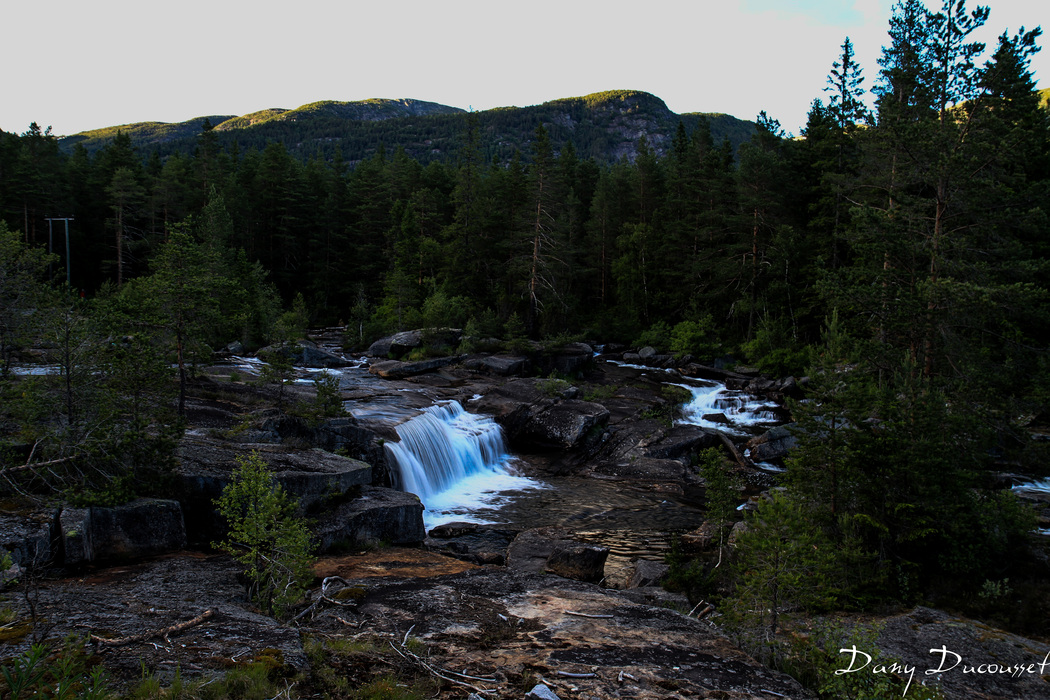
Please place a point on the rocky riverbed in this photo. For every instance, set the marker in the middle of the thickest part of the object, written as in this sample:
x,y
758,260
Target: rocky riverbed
x,y
491,609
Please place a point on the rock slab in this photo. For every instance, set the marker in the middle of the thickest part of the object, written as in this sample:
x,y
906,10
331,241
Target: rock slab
x,y
378,515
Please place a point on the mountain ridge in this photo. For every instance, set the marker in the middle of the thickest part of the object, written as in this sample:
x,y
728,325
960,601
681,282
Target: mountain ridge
x,y
603,125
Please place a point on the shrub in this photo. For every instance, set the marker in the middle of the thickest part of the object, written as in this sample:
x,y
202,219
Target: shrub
x,y
265,537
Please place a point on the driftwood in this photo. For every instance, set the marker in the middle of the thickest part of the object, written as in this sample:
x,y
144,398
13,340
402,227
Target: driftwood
x,y
121,641
323,596
596,617
34,465
737,456
404,653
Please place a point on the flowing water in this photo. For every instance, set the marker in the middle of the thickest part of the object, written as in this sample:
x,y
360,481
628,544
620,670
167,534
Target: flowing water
x,y
459,465
456,462
716,407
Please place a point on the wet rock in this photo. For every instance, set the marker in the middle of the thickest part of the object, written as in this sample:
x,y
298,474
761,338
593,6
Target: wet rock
x,y
554,550
647,353
378,515
536,417
678,442
773,445
580,562
500,365
456,529
564,425
645,469
569,360
343,435
400,344
471,542
699,371
306,354
396,345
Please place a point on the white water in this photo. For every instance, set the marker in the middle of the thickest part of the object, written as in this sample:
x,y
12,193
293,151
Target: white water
x,y
739,408
1042,487
455,462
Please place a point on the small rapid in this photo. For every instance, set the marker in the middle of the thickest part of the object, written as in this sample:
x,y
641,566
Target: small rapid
x,y
716,407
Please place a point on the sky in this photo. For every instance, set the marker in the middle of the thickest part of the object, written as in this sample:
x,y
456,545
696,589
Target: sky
x,y
76,65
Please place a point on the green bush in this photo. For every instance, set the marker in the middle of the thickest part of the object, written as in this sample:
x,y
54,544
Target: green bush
x,y
265,536
64,673
695,338
658,336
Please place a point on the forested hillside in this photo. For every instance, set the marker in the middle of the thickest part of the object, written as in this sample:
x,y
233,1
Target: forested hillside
x,y
898,256
603,126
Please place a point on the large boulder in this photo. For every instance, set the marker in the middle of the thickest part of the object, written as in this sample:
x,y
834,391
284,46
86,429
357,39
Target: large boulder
x,y
538,415
554,550
27,537
343,435
400,344
569,360
393,369
377,515
313,477
397,345
471,542
142,528
773,445
564,425
580,562
647,573
499,365
306,354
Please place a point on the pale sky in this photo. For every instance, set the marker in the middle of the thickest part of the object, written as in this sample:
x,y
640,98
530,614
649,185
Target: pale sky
x,y
80,64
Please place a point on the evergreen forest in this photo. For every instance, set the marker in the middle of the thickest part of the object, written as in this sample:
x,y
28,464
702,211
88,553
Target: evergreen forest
x,y
896,254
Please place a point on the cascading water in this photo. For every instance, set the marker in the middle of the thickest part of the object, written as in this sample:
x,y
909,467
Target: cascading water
x,y
454,461
738,408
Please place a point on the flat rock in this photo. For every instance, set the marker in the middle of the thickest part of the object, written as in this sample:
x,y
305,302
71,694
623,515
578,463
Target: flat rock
x,y
155,595
515,626
910,637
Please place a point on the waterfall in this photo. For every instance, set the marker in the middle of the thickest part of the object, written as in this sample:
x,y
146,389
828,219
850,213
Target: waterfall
x,y
443,446
457,463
